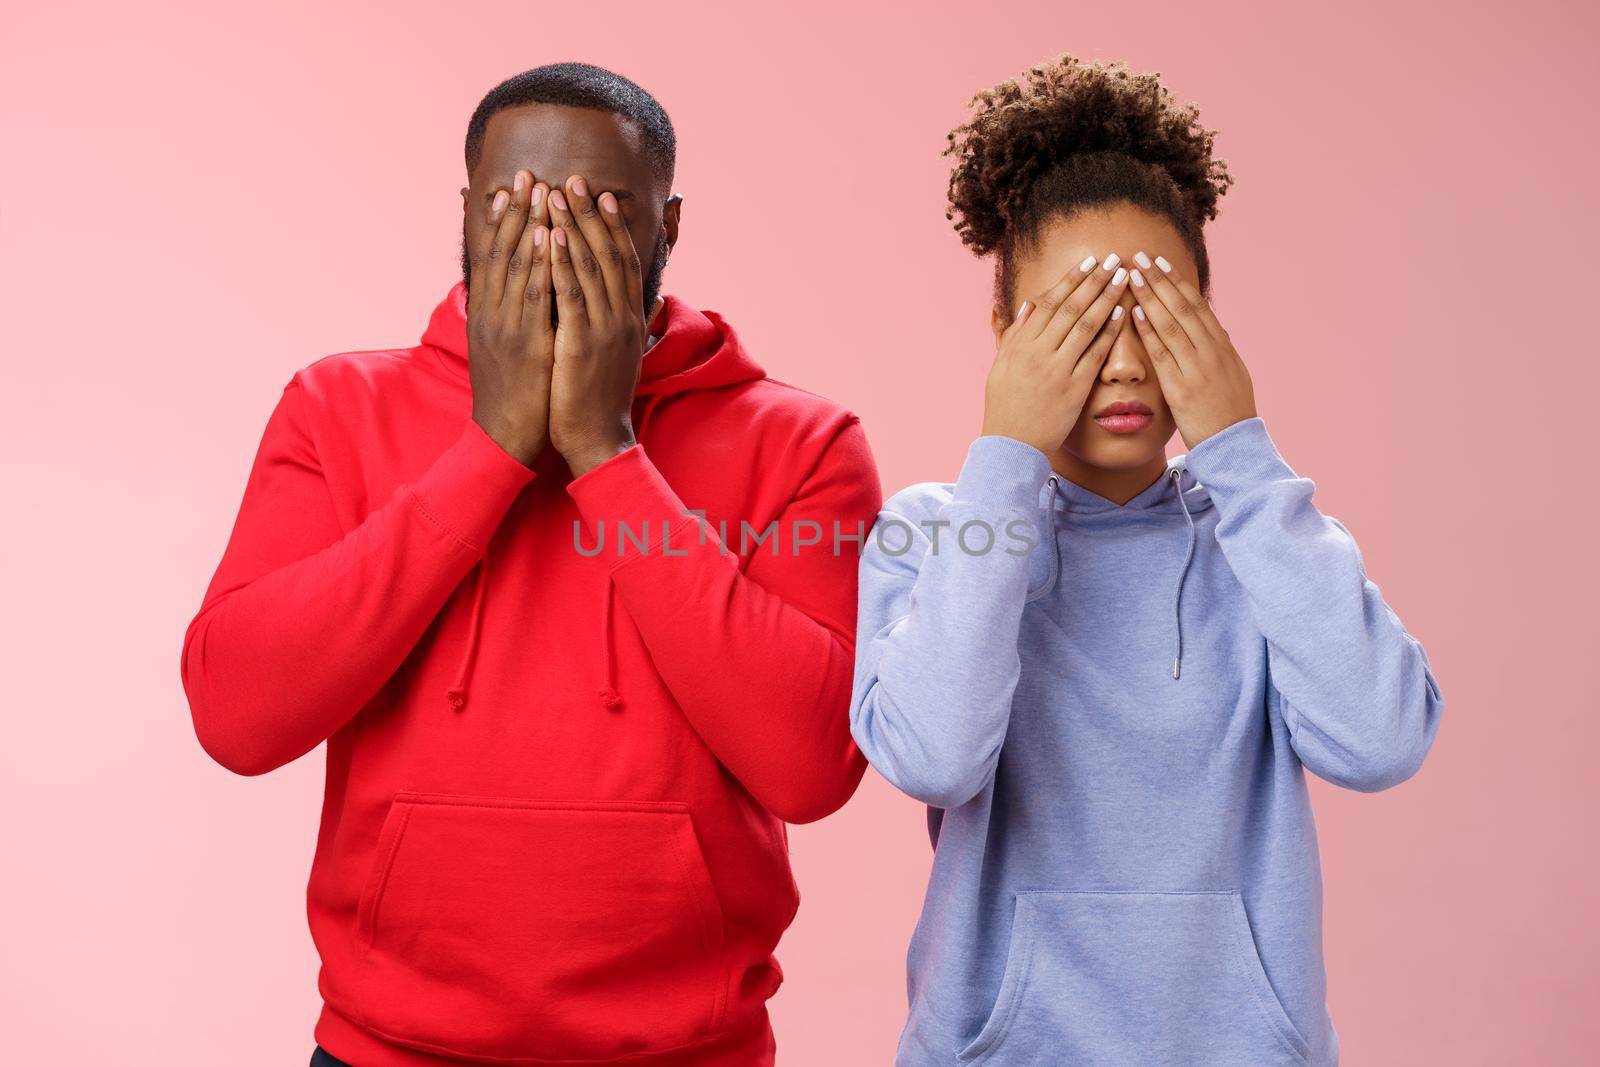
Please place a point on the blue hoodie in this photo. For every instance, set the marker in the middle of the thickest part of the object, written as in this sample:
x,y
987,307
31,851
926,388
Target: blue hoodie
x,y
1109,710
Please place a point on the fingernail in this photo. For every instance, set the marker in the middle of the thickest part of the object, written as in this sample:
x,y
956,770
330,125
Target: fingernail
x,y
1121,276
538,195
558,200
518,182
580,187
1087,265
1138,312
560,235
1022,309
1138,278
1166,268
1142,259
1111,261
538,237
499,204
1116,313
608,202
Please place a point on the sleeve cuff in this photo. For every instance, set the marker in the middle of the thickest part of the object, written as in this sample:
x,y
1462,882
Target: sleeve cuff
x,y
470,486
628,505
1238,457
1002,472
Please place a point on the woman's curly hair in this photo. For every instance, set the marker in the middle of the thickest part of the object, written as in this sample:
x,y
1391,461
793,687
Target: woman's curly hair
x,y
1068,136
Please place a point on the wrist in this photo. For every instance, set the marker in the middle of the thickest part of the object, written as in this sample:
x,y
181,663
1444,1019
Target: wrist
x,y
587,455
996,429
521,443
1216,426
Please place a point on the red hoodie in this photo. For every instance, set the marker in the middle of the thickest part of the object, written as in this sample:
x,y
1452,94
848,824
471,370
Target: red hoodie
x,y
557,780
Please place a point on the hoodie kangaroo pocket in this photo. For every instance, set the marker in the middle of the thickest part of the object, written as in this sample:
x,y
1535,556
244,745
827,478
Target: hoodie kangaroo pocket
x,y
530,930
1114,978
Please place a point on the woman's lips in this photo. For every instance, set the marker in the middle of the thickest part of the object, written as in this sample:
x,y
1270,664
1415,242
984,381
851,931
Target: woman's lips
x,y
1125,416
1129,422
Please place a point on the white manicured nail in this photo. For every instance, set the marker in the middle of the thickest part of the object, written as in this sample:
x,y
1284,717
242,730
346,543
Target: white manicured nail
x,y
1138,313
1166,268
1138,278
1142,259
1087,265
1119,277
1111,261
1020,309
1116,313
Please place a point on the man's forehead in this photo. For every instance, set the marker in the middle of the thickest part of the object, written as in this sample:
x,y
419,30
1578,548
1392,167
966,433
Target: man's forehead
x,y
556,142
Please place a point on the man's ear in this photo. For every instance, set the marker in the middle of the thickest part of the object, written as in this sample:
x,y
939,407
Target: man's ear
x,y
998,321
466,191
670,216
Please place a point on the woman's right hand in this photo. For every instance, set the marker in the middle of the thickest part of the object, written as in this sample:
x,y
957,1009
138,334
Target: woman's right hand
x,y
1051,354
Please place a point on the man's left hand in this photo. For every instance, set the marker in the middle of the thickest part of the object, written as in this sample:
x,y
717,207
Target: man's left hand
x,y
600,326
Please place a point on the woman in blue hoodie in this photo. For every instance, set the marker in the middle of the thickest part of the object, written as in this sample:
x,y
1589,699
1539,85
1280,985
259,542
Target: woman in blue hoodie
x,y
1107,672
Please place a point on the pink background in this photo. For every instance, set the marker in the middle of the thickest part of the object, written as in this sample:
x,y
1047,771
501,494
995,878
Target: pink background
x,y
196,204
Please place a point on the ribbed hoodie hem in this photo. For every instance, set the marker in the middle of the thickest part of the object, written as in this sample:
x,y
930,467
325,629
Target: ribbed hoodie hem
x,y
752,1045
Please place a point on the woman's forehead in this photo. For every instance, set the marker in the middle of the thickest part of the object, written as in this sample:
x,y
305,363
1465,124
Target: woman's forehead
x,y
1122,229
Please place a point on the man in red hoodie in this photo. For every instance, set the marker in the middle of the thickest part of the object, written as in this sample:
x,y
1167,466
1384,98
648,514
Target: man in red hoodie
x,y
569,591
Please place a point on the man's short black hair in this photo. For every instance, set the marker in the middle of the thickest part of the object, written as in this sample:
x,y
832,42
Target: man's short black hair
x,y
581,85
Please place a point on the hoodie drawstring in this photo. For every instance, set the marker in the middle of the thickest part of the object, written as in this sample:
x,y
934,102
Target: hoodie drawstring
x,y
1177,596
457,693
1055,544
609,697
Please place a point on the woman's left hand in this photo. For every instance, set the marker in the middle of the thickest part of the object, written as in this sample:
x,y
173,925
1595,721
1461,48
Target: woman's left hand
x,y
1202,377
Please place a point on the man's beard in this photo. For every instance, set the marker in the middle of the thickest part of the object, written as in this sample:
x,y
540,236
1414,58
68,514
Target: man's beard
x,y
652,273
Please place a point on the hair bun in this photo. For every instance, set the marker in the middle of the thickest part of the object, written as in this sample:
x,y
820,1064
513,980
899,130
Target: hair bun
x,y
1025,128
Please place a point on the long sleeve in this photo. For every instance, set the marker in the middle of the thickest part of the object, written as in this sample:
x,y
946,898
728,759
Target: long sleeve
x,y
939,625
1355,689
303,621
759,660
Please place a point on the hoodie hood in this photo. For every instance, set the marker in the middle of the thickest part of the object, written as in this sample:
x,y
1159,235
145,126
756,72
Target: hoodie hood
x,y
1176,492
693,349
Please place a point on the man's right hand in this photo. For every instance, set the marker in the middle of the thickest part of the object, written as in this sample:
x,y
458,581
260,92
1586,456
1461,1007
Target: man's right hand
x,y
510,335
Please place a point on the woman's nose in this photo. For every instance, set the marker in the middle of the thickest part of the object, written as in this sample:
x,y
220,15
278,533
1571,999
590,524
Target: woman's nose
x,y
1127,361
